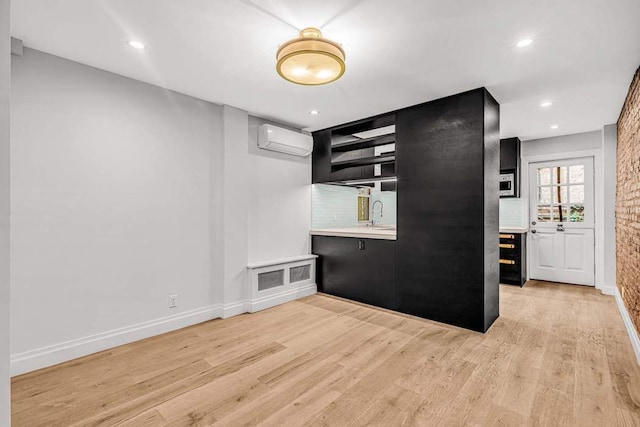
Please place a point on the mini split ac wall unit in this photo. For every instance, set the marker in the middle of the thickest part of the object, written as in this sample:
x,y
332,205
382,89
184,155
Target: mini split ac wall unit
x,y
285,141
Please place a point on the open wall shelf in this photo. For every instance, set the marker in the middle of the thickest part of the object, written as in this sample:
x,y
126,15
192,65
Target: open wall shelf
x,y
359,144
375,160
355,151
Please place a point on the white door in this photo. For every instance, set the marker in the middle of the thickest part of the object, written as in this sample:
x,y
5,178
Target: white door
x,y
561,240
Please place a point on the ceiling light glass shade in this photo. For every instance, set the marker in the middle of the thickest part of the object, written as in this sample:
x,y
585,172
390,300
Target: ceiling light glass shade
x,y
310,59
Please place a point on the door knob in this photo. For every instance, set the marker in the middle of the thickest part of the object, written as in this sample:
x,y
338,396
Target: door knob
x,y
534,231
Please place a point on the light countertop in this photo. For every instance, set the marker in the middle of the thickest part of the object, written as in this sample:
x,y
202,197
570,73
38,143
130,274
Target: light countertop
x,y
384,233
514,230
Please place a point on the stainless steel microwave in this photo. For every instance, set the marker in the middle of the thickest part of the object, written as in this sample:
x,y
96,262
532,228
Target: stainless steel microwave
x,y
507,185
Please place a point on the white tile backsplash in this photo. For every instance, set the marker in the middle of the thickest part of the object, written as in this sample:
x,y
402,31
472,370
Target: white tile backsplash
x,y
513,213
333,206
388,198
336,206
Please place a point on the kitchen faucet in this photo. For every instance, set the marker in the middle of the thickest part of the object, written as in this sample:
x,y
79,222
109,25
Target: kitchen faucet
x,y
373,206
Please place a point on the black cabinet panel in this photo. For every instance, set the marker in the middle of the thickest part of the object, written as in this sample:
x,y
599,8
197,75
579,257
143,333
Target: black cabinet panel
x,y
509,154
375,122
491,176
321,157
359,269
446,265
513,258
388,169
510,161
363,143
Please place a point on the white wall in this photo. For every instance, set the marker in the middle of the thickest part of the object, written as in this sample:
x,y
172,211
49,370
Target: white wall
x,y
587,144
609,164
110,202
562,144
235,207
279,201
123,194
5,92
266,207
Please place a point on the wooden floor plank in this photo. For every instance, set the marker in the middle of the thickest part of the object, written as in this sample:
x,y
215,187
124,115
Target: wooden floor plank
x,y
558,355
594,402
150,418
552,407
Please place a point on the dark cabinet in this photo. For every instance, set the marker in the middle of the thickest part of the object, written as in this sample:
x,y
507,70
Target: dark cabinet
x,y
510,154
447,155
513,258
444,264
358,269
321,157
510,163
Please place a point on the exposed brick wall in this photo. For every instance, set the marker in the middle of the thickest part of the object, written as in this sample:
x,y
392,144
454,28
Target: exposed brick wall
x,y
628,202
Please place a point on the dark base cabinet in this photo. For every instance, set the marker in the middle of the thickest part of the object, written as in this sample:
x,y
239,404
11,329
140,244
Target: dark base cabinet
x,y
362,270
513,258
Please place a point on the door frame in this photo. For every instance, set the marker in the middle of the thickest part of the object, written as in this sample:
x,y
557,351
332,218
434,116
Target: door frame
x,y
598,204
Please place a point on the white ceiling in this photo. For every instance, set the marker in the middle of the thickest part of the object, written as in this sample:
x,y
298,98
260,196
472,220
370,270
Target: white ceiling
x,y
399,53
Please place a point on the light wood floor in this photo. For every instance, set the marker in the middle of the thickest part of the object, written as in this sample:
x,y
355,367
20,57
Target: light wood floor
x,y
558,355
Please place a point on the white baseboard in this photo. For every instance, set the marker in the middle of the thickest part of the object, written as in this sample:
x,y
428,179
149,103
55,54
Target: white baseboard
x,y
251,306
607,290
47,356
32,360
235,308
631,330
282,297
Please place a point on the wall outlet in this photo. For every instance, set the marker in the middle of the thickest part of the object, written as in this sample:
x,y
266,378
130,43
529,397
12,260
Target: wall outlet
x,y
173,301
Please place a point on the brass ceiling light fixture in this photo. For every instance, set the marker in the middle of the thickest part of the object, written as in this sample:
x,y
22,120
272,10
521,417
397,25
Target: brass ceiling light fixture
x,y
310,59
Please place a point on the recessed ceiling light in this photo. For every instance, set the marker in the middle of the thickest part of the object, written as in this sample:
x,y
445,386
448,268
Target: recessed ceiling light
x,y
314,112
546,104
524,43
555,126
136,44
